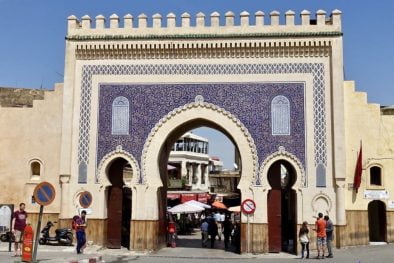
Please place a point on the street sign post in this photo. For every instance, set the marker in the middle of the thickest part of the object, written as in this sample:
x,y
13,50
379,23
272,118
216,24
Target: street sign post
x,y
248,207
85,199
44,194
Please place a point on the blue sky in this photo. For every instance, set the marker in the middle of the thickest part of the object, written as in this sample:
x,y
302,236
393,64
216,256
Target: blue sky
x,y
32,36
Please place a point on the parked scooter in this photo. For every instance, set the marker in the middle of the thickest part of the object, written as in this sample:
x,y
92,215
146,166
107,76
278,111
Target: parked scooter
x,y
7,237
63,236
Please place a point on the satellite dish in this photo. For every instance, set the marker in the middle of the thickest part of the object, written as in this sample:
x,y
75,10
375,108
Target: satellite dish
x,y
235,166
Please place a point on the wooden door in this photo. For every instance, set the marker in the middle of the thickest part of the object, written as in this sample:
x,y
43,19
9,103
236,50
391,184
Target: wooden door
x,y
274,207
274,221
115,204
114,223
377,221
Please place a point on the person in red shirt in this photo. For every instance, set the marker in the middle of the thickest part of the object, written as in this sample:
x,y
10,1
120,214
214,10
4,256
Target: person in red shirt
x,y
320,228
19,223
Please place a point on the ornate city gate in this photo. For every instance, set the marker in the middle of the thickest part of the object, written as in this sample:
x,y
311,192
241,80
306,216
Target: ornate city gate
x,y
132,91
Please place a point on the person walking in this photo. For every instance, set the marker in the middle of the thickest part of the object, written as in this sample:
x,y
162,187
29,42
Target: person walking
x,y
303,236
320,228
330,235
204,232
18,225
80,230
212,231
218,219
227,228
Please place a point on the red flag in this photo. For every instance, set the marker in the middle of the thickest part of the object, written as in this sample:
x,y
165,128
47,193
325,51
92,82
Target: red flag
x,y
358,172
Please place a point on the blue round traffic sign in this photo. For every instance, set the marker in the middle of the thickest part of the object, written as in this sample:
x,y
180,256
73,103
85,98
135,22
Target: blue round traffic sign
x,y
85,199
44,193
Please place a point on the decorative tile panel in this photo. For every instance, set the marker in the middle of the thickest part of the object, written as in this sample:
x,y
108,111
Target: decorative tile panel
x,y
227,98
248,102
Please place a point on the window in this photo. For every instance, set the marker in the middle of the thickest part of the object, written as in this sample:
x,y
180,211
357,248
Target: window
x,y
280,116
120,116
35,169
375,174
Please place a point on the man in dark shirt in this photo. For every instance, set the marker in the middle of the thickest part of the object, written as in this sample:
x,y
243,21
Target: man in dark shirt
x,y
18,226
80,231
330,235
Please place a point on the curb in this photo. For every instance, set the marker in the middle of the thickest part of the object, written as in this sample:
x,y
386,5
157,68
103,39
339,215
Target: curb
x,y
88,260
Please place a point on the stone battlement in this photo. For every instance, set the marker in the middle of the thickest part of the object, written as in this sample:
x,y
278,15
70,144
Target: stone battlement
x,y
141,25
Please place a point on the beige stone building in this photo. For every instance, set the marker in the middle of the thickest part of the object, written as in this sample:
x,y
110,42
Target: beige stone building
x,y
276,90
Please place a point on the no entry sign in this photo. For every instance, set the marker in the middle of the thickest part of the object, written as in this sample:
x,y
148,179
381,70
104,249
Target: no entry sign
x,y
44,193
85,199
248,206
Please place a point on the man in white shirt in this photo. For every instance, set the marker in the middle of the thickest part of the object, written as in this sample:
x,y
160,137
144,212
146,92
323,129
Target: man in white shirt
x,y
219,218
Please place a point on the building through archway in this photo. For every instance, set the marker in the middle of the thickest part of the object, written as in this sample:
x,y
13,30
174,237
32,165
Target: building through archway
x,y
185,156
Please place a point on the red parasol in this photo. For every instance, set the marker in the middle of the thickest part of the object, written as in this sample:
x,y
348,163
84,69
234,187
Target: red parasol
x,y
219,205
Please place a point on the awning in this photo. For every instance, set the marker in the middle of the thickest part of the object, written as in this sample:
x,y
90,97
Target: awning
x,y
199,204
235,209
173,196
170,167
188,197
185,209
219,205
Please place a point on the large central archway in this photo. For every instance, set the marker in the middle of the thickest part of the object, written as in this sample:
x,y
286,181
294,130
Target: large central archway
x,y
175,124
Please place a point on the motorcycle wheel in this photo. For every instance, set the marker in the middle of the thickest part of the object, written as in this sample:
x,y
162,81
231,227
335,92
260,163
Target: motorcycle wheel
x,y
42,241
4,238
69,238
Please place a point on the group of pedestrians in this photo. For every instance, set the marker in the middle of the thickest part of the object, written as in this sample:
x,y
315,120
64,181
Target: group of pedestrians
x,y
217,225
324,232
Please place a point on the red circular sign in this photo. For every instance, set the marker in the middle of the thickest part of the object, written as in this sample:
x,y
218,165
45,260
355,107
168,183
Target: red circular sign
x,y
248,206
44,193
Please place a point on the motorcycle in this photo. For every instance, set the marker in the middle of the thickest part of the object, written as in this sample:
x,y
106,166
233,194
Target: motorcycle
x,y
63,236
7,237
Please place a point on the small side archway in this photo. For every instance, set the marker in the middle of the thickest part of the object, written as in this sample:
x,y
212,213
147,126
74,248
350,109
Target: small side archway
x,y
118,173
283,176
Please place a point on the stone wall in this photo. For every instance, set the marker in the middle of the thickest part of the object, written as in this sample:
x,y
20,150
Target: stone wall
x,y
12,97
29,136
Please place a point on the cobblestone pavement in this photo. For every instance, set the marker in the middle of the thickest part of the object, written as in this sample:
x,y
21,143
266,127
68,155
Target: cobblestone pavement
x,y
186,253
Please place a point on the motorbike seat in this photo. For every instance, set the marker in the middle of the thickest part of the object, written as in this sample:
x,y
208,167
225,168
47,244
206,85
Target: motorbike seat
x,y
62,230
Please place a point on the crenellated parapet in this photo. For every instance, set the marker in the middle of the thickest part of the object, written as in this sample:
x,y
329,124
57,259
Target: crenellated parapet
x,y
201,36
201,24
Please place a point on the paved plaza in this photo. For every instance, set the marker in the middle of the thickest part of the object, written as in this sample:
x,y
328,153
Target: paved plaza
x,y
190,251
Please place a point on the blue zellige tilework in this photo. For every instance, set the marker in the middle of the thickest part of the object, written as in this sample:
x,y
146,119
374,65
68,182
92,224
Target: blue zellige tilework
x,y
249,102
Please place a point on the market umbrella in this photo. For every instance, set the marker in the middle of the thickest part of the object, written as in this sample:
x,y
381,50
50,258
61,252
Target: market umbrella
x,y
196,203
235,209
170,167
185,209
219,205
